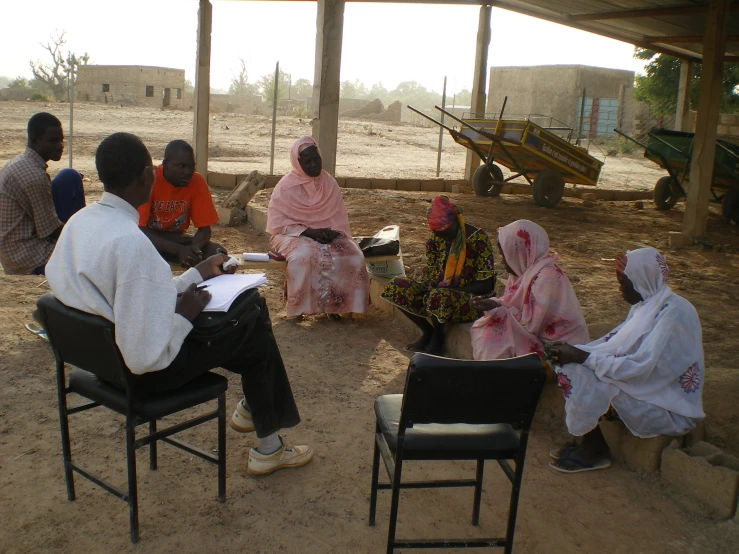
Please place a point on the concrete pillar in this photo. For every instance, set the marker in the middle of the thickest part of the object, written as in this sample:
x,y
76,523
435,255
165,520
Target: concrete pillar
x,y
479,82
201,112
327,79
683,97
704,144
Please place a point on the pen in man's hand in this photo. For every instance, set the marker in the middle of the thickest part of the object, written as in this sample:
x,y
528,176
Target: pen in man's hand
x,y
201,287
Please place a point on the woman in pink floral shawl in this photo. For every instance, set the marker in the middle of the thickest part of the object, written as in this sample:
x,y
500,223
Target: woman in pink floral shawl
x,y
307,219
538,304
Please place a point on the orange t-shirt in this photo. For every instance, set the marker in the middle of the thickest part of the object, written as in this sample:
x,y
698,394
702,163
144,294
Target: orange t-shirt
x,y
171,208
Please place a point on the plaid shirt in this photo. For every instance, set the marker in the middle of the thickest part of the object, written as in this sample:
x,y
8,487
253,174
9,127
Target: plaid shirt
x,y
27,215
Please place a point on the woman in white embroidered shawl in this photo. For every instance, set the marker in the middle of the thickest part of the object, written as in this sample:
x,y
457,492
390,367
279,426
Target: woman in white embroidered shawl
x,y
649,369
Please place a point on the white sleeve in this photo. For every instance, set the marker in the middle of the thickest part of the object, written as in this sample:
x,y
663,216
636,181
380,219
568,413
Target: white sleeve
x,y
148,332
190,277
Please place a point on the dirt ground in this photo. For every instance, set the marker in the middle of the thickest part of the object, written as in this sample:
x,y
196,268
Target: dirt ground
x,y
337,369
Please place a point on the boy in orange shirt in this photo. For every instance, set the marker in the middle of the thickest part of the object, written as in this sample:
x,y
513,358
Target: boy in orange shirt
x,y
179,195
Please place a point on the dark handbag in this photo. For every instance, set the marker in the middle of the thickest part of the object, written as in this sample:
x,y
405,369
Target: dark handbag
x,y
373,246
243,313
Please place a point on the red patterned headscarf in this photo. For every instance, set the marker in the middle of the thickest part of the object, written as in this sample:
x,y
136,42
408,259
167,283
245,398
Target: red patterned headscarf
x,y
442,213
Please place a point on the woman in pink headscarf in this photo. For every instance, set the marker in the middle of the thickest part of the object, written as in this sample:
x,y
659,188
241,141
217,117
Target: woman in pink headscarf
x,y
307,219
538,304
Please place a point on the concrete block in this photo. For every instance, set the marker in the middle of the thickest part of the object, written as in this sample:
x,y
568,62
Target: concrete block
x,y
643,454
433,185
722,130
457,342
456,189
625,195
449,183
341,181
521,189
231,216
676,239
257,217
408,184
734,130
589,196
377,285
639,204
221,180
358,183
604,194
727,119
271,180
571,192
706,474
384,184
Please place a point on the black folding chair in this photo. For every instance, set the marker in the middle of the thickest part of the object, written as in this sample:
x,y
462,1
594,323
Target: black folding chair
x,y
88,342
457,410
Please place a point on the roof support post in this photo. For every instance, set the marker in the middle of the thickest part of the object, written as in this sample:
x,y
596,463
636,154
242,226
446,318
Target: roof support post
x,y
479,82
683,96
201,112
327,79
709,104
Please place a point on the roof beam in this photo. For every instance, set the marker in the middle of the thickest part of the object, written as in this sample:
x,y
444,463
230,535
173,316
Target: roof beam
x,y
698,39
632,14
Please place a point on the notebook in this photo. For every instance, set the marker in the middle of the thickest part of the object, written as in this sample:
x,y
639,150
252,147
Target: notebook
x,y
225,288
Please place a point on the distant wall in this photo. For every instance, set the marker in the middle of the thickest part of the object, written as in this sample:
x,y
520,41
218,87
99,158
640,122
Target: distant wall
x,y
17,94
131,84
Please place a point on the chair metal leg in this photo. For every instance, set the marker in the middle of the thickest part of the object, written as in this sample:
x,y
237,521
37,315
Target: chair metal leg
x,y
373,488
64,426
395,499
222,447
133,504
153,445
478,493
513,508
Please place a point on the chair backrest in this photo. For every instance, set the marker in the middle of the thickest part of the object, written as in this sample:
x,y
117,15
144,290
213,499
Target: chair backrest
x,y
83,340
443,390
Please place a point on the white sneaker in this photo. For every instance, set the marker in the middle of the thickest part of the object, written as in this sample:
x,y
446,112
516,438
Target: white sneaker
x,y
287,456
241,419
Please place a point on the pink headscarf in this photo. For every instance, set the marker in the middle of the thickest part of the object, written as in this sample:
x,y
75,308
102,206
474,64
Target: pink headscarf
x,y
299,199
525,246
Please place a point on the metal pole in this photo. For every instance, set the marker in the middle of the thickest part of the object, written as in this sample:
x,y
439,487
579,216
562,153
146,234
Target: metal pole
x,y
71,113
582,116
441,129
274,120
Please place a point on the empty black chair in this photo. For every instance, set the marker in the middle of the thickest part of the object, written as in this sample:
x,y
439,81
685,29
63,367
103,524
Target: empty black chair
x,y
457,410
88,342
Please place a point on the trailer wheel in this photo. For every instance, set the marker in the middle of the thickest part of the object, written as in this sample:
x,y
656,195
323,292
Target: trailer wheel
x,y
664,199
730,205
549,187
487,182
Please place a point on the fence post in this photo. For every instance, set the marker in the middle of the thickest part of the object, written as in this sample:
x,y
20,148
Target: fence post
x,y
274,120
441,129
71,113
582,115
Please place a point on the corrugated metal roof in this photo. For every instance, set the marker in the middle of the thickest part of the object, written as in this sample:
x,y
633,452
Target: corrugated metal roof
x,y
674,27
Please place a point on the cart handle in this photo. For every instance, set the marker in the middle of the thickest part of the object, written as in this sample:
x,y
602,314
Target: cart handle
x,y
455,134
659,155
484,133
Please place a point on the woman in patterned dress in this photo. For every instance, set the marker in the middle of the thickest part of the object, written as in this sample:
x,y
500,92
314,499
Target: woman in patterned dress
x,y
649,369
538,305
326,271
459,265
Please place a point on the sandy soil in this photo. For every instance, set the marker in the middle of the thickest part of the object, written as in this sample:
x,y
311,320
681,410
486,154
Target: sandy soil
x,y
337,369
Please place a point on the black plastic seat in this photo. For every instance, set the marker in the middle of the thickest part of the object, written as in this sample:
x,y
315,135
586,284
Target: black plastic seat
x,y
87,342
457,410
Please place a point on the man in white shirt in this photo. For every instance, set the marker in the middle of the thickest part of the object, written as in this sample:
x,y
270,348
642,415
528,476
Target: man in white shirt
x,y
104,265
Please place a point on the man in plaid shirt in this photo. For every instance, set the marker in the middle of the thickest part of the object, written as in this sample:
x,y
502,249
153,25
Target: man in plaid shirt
x,y
33,209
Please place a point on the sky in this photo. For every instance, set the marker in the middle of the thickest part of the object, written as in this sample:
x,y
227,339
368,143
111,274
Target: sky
x,y
387,43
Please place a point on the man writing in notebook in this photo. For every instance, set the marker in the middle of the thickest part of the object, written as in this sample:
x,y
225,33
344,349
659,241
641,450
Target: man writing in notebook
x,y
104,265
179,195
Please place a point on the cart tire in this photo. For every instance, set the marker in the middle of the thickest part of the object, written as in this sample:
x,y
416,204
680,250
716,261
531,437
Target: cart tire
x,y
730,205
487,182
664,198
549,187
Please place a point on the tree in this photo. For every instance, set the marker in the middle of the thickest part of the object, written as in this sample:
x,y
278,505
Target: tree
x,y
462,98
18,82
189,87
240,83
53,76
378,91
302,89
659,85
355,89
266,87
